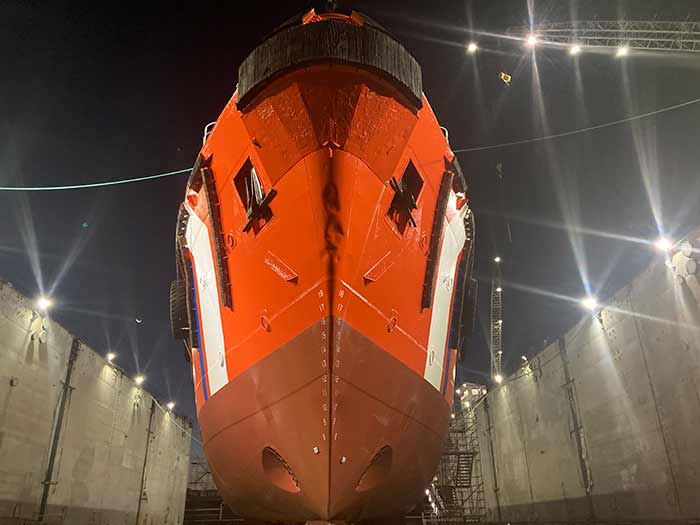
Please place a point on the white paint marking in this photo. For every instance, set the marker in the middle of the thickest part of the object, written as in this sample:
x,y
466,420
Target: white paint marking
x,y
212,336
452,245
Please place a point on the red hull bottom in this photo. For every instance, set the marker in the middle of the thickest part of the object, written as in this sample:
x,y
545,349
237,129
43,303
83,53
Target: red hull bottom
x,y
289,441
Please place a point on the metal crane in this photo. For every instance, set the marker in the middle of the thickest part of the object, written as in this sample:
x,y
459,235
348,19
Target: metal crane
x,y
496,346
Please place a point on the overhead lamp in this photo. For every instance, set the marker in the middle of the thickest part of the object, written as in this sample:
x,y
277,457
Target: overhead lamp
x,y
111,356
524,358
459,391
44,303
171,405
589,303
467,404
663,244
452,416
622,51
531,40
575,49
498,378
499,289
497,259
472,47
139,380
427,492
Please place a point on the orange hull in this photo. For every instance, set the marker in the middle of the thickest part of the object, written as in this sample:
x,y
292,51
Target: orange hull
x,y
324,241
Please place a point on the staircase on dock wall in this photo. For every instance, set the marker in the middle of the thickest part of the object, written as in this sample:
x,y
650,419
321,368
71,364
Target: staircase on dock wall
x,y
459,487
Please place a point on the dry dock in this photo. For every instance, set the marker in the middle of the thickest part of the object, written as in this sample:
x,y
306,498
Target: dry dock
x,y
80,442
604,423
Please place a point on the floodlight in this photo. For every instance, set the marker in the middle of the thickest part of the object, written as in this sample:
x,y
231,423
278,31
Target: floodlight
x,y
44,303
663,244
589,303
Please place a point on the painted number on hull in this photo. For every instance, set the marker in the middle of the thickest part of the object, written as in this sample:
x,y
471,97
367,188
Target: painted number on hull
x,y
209,310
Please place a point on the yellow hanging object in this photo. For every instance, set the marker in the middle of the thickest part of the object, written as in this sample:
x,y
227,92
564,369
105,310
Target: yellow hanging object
x,y
505,77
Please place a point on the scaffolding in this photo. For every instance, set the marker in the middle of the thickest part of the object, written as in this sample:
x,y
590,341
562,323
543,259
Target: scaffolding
x,y
456,495
634,34
203,504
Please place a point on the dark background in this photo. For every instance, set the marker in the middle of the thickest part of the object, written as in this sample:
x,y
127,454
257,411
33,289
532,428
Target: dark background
x,y
92,92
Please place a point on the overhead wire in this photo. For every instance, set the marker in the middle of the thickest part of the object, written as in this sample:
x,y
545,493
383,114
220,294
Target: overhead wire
x,y
94,184
461,150
578,131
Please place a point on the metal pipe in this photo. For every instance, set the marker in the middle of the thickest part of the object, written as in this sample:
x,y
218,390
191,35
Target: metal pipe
x,y
489,432
65,394
145,459
577,428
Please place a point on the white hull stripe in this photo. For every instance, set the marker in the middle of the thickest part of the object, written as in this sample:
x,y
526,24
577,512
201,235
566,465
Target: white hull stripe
x,y
452,244
211,330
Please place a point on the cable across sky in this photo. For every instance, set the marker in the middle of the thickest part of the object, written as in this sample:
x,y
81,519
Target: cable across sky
x,y
94,184
462,150
578,131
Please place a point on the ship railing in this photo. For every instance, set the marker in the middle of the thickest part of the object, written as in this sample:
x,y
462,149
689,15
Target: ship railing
x,y
445,132
207,131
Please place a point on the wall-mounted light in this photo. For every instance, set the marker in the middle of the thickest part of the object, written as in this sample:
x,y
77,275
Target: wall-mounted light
x,y
663,244
589,303
44,303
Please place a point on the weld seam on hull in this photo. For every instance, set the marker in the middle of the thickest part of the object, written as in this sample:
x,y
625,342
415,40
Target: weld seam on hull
x,y
392,407
269,405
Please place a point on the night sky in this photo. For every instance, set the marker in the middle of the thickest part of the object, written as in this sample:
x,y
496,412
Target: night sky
x,y
90,92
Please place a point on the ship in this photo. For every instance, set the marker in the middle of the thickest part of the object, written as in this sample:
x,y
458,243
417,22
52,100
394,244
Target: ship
x,y
324,289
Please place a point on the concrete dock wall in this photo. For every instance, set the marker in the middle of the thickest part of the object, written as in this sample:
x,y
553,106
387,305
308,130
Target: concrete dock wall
x,y
80,442
604,423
